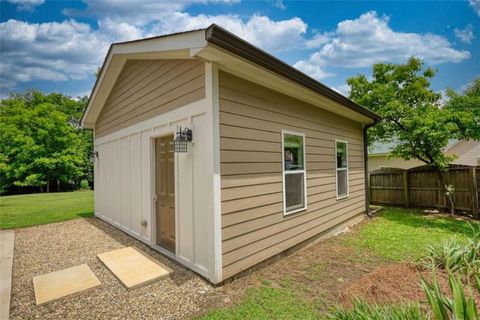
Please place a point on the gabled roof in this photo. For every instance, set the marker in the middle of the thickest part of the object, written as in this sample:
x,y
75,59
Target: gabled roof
x,y
214,44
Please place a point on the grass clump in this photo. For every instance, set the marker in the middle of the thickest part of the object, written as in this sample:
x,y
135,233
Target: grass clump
x,y
267,303
459,306
457,256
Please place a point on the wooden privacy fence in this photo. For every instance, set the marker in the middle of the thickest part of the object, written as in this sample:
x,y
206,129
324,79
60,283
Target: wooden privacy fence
x,y
420,187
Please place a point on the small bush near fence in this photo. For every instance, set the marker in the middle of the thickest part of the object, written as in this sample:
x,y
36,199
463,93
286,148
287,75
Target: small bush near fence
x,y
420,187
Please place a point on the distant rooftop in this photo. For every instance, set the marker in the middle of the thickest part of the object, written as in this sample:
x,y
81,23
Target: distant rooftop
x,y
385,148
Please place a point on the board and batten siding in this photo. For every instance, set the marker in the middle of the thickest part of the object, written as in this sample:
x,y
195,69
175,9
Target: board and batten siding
x,y
254,227
148,88
125,171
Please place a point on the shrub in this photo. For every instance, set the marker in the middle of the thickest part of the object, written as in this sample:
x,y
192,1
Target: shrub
x,y
363,311
84,184
458,306
455,256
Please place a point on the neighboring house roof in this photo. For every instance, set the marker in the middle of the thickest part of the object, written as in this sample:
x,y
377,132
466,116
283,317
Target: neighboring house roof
x,y
380,148
377,149
212,44
466,152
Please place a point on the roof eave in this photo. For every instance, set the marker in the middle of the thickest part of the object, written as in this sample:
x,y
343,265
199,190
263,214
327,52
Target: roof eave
x,y
228,41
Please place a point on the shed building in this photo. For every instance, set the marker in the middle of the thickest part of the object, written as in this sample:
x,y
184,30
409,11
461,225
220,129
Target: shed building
x,y
275,158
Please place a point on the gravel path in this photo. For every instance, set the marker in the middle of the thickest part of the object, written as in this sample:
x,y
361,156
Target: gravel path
x,y
47,248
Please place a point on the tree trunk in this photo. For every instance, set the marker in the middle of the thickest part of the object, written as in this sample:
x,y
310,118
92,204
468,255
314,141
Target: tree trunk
x,y
58,185
449,193
48,186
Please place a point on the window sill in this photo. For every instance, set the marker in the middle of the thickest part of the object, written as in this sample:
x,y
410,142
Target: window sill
x,y
342,197
294,211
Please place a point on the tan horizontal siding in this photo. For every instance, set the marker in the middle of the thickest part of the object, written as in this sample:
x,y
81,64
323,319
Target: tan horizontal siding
x,y
275,233
254,227
148,88
248,180
251,260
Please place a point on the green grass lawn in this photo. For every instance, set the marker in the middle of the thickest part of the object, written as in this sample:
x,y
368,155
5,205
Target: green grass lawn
x,y
403,235
32,209
267,303
396,234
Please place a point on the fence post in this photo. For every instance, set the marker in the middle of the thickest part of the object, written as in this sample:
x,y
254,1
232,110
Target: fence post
x,y
406,195
475,209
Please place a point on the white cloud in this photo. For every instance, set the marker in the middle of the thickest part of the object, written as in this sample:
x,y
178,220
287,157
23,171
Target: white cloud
x,y
318,40
261,31
343,89
26,5
314,71
475,4
55,51
279,4
136,12
369,39
119,31
70,50
465,35
163,17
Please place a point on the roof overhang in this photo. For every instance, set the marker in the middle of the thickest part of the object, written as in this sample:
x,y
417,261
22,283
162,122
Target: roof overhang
x,y
177,46
231,54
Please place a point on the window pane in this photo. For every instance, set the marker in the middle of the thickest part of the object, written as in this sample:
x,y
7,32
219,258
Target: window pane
x,y
294,191
293,151
342,183
341,155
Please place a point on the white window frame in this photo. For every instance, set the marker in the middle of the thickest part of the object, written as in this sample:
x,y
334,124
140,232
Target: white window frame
x,y
304,171
341,169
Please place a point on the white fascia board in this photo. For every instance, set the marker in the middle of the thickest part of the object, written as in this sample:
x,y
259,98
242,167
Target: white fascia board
x,y
177,46
180,41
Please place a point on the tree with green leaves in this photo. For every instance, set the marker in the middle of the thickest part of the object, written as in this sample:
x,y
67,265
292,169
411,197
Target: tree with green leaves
x,y
413,116
41,142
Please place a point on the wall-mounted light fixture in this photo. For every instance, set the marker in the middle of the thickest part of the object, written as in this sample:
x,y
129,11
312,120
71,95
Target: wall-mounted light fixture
x,y
182,139
93,156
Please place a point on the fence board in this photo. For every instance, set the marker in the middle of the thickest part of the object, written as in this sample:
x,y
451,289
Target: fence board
x,y
421,187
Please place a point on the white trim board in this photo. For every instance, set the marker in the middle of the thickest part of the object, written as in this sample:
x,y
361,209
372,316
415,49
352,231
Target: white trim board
x,y
342,169
212,94
304,171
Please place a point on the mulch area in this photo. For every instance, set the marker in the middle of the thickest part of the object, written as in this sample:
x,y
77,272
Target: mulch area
x,y
393,283
397,283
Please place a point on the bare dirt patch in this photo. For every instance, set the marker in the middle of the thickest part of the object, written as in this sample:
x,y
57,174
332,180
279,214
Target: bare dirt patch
x,y
316,273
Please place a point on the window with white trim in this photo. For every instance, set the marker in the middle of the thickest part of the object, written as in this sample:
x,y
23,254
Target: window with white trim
x,y
294,174
341,150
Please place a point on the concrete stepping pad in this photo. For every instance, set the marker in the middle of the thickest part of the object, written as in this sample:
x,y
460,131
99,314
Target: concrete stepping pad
x,y
60,284
7,239
133,268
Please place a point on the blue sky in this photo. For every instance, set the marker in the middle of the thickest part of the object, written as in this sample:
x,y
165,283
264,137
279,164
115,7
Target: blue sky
x,y
58,45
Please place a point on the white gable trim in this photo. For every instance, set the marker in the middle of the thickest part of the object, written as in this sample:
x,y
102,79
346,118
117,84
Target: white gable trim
x,y
171,47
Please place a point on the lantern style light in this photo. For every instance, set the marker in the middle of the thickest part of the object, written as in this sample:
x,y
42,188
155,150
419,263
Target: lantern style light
x,y
183,138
